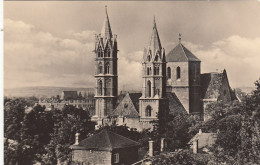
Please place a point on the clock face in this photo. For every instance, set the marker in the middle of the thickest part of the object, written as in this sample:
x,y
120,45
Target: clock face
x,y
126,105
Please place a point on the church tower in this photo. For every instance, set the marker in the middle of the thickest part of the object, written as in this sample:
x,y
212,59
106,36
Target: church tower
x,y
183,77
106,90
153,99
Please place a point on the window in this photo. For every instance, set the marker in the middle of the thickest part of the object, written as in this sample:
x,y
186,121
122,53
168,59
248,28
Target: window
x,y
107,68
100,68
149,71
156,70
156,58
100,87
225,92
149,58
116,158
107,54
149,89
169,73
178,70
100,53
148,111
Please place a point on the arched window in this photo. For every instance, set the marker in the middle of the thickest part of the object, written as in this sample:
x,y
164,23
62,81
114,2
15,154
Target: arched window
x,y
156,70
100,53
148,71
156,58
100,85
169,75
148,111
178,72
107,68
100,67
107,52
149,89
149,58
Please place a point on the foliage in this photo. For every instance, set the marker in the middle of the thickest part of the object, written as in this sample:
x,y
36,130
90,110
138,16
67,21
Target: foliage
x,y
179,157
39,135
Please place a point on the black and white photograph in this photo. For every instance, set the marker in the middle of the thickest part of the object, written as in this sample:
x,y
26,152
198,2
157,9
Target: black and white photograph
x,y
131,82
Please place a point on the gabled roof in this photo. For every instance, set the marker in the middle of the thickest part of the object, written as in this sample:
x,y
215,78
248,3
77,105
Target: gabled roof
x,y
204,139
106,31
129,106
175,106
211,84
105,141
180,54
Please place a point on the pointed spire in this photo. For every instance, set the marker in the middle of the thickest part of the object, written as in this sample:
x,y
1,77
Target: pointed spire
x,y
106,29
155,43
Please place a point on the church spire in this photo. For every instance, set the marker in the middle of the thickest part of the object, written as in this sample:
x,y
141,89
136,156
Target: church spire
x,y
155,43
106,29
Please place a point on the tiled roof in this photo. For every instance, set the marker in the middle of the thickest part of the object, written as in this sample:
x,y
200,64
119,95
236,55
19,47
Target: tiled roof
x,y
129,106
210,85
175,105
135,99
105,141
180,54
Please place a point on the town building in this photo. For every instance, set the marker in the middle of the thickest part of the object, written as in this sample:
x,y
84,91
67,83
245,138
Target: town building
x,y
105,147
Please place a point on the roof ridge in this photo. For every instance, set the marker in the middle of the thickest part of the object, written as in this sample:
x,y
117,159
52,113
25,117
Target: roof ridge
x,y
123,137
184,51
108,138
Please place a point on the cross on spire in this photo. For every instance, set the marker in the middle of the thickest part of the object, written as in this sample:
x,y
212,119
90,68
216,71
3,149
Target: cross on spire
x,y
179,37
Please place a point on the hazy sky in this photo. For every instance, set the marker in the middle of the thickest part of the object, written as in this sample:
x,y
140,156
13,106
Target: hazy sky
x,y
48,43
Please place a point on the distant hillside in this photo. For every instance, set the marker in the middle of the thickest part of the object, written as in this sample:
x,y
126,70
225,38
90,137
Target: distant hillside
x,y
41,91
247,90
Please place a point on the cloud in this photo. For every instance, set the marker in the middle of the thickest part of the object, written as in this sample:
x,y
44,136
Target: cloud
x,y
33,57
37,58
240,56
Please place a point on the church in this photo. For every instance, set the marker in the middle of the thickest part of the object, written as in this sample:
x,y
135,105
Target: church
x,y
172,83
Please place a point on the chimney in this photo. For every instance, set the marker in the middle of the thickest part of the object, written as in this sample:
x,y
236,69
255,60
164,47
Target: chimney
x,y
162,144
195,146
150,148
200,131
77,139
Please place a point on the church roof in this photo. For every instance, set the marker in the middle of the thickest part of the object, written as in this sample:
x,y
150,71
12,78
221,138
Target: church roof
x,y
106,31
129,106
105,141
180,54
175,106
211,84
155,43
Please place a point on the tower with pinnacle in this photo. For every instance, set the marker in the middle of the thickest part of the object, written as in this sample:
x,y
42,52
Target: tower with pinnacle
x,y
153,100
106,77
